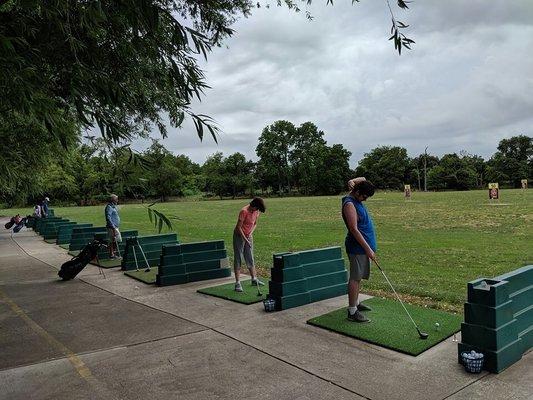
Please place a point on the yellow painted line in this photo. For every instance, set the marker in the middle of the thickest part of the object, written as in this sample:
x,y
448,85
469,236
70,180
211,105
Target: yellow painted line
x,y
78,364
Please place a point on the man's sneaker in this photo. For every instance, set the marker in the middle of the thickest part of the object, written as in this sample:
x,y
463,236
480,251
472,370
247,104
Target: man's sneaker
x,y
256,282
357,317
238,287
362,307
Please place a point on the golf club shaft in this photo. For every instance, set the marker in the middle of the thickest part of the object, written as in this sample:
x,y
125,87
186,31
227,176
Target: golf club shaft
x,y
398,297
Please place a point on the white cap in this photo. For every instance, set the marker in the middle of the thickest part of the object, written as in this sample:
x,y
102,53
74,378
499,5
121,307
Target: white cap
x,y
47,199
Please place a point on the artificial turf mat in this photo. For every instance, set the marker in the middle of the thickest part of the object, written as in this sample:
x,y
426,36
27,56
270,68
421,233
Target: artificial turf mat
x,y
74,253
107,263
65,246
391,327
227,291
50,241
141,275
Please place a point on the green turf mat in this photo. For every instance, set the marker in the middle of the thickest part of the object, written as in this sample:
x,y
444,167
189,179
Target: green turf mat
x,y
391,327
50,241
65,246
145,277
227,291
108,263
74,253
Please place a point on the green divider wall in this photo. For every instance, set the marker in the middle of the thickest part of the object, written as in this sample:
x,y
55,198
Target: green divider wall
x,y
50,230
152,246
64,232
307,276
30,222
103,253
190,262
499,318
81,236
41,223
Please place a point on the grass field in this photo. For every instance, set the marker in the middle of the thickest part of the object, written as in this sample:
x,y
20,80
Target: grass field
x,y
430,246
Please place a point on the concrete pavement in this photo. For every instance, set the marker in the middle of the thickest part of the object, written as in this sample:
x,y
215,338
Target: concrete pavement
x,y
114,337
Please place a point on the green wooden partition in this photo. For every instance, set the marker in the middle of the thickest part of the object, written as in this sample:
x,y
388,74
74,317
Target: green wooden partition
x,y
64,233
499,318
82,236
190,262
151,245
307,276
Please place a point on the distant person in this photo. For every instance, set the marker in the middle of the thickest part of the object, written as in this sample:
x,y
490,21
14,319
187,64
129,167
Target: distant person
x,y
45,208
360,243
37,211
243,242
112,220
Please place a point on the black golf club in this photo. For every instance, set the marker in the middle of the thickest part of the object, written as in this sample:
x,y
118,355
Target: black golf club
x,y
421,334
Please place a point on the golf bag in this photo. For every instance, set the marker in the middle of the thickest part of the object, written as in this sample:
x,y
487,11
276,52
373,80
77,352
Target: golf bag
x,y
73,267
17,222
9,224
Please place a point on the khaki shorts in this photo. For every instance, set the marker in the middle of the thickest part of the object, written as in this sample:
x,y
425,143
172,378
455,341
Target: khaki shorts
x,y
359,267
114,235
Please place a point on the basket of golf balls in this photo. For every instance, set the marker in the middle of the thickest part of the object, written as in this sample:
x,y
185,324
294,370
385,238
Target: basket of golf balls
x,y
472,361
270,305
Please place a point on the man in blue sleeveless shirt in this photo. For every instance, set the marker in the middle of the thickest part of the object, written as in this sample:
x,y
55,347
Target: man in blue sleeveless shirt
x,y
360,243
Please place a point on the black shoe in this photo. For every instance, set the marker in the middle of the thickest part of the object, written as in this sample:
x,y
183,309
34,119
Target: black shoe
x,y
357,317
362,307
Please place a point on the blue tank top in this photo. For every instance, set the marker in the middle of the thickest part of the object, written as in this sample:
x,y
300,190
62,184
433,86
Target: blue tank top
x,y
364,225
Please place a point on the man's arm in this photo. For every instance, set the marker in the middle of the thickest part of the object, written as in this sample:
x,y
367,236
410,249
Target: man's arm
x,y
108,217
351,217
355,181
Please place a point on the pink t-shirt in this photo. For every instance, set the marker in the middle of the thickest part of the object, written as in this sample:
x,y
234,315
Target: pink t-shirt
x,y
248,219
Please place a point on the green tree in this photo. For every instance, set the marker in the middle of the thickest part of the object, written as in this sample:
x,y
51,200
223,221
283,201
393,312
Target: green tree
x,y
453,173
416,168
334,170
238,174
307,149
274,149
213,170
513,161
164,177
385,166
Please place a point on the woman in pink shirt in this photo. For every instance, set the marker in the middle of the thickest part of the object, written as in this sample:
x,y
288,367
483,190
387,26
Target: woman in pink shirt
x,y
243,242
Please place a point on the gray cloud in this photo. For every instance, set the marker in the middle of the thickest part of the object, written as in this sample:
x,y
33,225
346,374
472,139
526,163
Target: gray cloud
x,y
466,84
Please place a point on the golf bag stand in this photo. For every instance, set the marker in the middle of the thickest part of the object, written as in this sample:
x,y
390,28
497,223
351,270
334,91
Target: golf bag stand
x,y
137,244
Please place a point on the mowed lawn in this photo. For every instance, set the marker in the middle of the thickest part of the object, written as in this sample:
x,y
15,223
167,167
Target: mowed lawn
x,y
430,246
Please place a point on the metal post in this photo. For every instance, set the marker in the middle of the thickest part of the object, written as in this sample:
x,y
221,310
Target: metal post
x,y
425,169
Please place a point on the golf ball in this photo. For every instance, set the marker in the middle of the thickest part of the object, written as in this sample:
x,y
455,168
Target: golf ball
x,y
437,326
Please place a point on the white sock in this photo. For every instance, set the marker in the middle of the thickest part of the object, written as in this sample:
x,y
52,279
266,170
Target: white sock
x,y
352,310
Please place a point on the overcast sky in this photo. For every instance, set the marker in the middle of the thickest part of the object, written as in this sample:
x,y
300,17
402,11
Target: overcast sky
x,y
467,83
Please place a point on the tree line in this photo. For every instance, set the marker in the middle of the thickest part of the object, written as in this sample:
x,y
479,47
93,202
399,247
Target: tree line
x,y
291,160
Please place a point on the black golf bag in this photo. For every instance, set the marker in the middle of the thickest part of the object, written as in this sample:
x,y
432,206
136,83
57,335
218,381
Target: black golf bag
x,y
73,267
9,224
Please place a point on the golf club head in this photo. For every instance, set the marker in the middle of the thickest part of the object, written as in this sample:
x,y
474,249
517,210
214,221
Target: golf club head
x,y
147,269
423,335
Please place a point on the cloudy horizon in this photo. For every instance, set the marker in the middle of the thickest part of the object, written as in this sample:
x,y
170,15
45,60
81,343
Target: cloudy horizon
x,y
466,84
